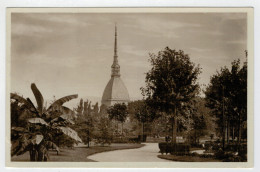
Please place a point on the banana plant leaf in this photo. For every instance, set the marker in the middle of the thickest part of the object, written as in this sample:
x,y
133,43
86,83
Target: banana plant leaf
x,y
19,129
37,121
21,145
38,97
51,145
61,101
37,139
71,133
33,108
26,114
23,101
67,115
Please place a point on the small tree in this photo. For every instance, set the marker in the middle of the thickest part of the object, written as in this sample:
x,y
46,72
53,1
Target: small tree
x,y
171,82
104,131
84,125
119,113
142,113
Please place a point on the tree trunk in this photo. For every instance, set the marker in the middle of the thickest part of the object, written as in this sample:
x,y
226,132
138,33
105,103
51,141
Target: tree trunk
x,y
117,126
174,126
195,136
122,129
88,137
224,122
223,136
143,132
239,130
233,132
228,132
33,155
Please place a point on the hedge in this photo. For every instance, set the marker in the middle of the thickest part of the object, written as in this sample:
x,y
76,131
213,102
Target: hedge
x,y
178,149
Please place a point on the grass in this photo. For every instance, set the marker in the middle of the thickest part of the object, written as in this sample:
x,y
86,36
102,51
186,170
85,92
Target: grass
x,y
187,158
78,154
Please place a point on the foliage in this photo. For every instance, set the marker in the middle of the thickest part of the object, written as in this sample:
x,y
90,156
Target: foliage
x,y
226,95
174,148
171,82
119,113
197,120
140,111
85,127
87,118
34,128
104,133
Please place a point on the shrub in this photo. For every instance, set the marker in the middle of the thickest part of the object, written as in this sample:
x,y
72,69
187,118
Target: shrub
x,y
134,140
120,140
177,149
196,145
230,156
194,154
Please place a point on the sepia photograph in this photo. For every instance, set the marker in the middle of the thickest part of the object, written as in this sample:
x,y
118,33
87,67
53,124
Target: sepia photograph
x,y
164,87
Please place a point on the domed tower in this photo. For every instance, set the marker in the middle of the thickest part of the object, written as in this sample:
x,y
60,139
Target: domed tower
x,y
115,91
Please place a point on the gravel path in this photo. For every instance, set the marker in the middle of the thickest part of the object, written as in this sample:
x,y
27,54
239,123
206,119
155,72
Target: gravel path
x,y
147,153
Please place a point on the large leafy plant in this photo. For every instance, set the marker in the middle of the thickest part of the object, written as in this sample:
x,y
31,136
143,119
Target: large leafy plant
x,y
33,128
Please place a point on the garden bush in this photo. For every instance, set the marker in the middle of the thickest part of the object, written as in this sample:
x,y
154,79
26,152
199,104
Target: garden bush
x,y
230,156
196,145
177,149
134,140
120,140
142,138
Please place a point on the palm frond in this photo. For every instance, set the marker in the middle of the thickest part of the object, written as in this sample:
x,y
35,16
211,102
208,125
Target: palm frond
x,y
38,97
62,100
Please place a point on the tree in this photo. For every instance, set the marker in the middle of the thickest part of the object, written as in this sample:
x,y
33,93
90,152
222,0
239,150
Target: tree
x,y
85,127
171,82
87,120
198,121
104,134
226,95
142,113
36,127
118,112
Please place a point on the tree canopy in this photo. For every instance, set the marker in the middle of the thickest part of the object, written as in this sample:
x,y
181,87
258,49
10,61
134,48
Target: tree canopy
x,y
226,95
171,82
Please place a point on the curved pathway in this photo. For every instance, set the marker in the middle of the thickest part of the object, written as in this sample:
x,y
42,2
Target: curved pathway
x,y
147,153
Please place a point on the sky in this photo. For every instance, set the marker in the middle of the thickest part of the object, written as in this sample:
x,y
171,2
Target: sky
x,y
72,53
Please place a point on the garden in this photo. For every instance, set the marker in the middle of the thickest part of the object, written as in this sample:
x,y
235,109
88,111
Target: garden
x,y
186,126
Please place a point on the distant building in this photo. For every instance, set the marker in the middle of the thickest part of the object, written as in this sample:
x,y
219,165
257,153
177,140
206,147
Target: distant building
x,y
115,91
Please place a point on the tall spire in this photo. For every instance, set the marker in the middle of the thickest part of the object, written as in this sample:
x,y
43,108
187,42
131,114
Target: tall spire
x,y
115,47
115,68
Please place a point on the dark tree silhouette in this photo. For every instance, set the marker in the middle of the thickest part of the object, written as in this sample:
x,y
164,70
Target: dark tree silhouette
x,y
118,112
226,95
171,82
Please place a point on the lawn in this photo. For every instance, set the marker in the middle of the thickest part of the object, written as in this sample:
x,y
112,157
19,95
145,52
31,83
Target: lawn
x,y
79,154
187,158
